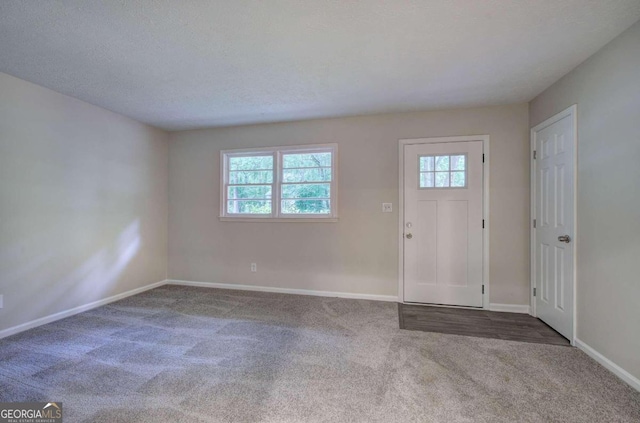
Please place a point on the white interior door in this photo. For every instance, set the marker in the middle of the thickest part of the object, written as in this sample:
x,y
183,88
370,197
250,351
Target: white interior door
x,y
554,153
443,226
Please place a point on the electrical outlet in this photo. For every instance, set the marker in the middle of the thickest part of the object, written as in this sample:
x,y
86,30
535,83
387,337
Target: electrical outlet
x,y
254,267
387,207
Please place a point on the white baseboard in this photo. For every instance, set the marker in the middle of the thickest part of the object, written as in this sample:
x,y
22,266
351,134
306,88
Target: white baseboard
x,y
510,308
610,365
391,298
67,313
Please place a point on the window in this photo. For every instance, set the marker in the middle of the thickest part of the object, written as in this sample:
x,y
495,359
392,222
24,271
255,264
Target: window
x,y
280,183
250,184
448,171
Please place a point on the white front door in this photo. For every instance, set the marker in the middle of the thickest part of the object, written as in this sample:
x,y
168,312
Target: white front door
x,y
443,226
553,143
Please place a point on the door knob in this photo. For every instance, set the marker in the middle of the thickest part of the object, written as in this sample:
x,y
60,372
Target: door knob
x,y
564,238
409,236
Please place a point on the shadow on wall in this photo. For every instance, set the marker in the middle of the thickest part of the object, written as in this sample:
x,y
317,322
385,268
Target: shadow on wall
x,y
92,280
100,272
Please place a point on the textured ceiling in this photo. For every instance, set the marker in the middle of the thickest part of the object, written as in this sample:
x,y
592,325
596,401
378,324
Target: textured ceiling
x,y
188,64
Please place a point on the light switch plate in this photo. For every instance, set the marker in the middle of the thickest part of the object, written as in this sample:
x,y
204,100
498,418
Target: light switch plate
x,y
1,301
387,207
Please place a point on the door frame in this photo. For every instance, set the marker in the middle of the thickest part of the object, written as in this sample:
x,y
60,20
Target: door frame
x,y
485,207
571,111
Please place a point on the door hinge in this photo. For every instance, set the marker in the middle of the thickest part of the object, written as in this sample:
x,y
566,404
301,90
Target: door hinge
x,y
535,154
534,223
483,158
483,289
534,292
482,223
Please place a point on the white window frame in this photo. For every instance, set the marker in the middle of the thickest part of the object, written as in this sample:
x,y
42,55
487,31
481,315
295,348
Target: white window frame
x,y
276,201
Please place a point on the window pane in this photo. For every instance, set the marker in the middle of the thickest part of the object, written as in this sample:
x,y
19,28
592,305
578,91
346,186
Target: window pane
x,y
426,163
304,177
442,179
426,180
251,163
457,162
252,191
307,175
249,206
306,160
306,191
457,179
442,163
306,206
251,177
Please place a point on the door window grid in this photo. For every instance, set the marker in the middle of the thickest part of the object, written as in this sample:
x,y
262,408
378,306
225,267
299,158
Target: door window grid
x,y
442,171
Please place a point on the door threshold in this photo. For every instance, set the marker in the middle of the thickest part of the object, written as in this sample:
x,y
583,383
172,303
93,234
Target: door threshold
x,y
444,305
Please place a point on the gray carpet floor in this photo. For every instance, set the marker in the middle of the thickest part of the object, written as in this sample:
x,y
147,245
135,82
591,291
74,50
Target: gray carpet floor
x,y
180,354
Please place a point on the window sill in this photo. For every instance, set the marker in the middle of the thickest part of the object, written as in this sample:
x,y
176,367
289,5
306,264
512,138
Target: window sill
x,y
280,220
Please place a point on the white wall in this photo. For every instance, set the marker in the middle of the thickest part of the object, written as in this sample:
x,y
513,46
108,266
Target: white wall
x,y
606,88
359,254
83,203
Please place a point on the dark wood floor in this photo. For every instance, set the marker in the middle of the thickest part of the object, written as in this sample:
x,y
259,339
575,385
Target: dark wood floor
x,y
481,323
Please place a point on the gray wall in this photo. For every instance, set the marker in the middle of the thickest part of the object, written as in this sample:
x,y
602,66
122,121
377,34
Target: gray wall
x,y
359,254
606,88
83,202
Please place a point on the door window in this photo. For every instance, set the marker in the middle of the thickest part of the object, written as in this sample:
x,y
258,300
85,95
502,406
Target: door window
x,y
448,171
